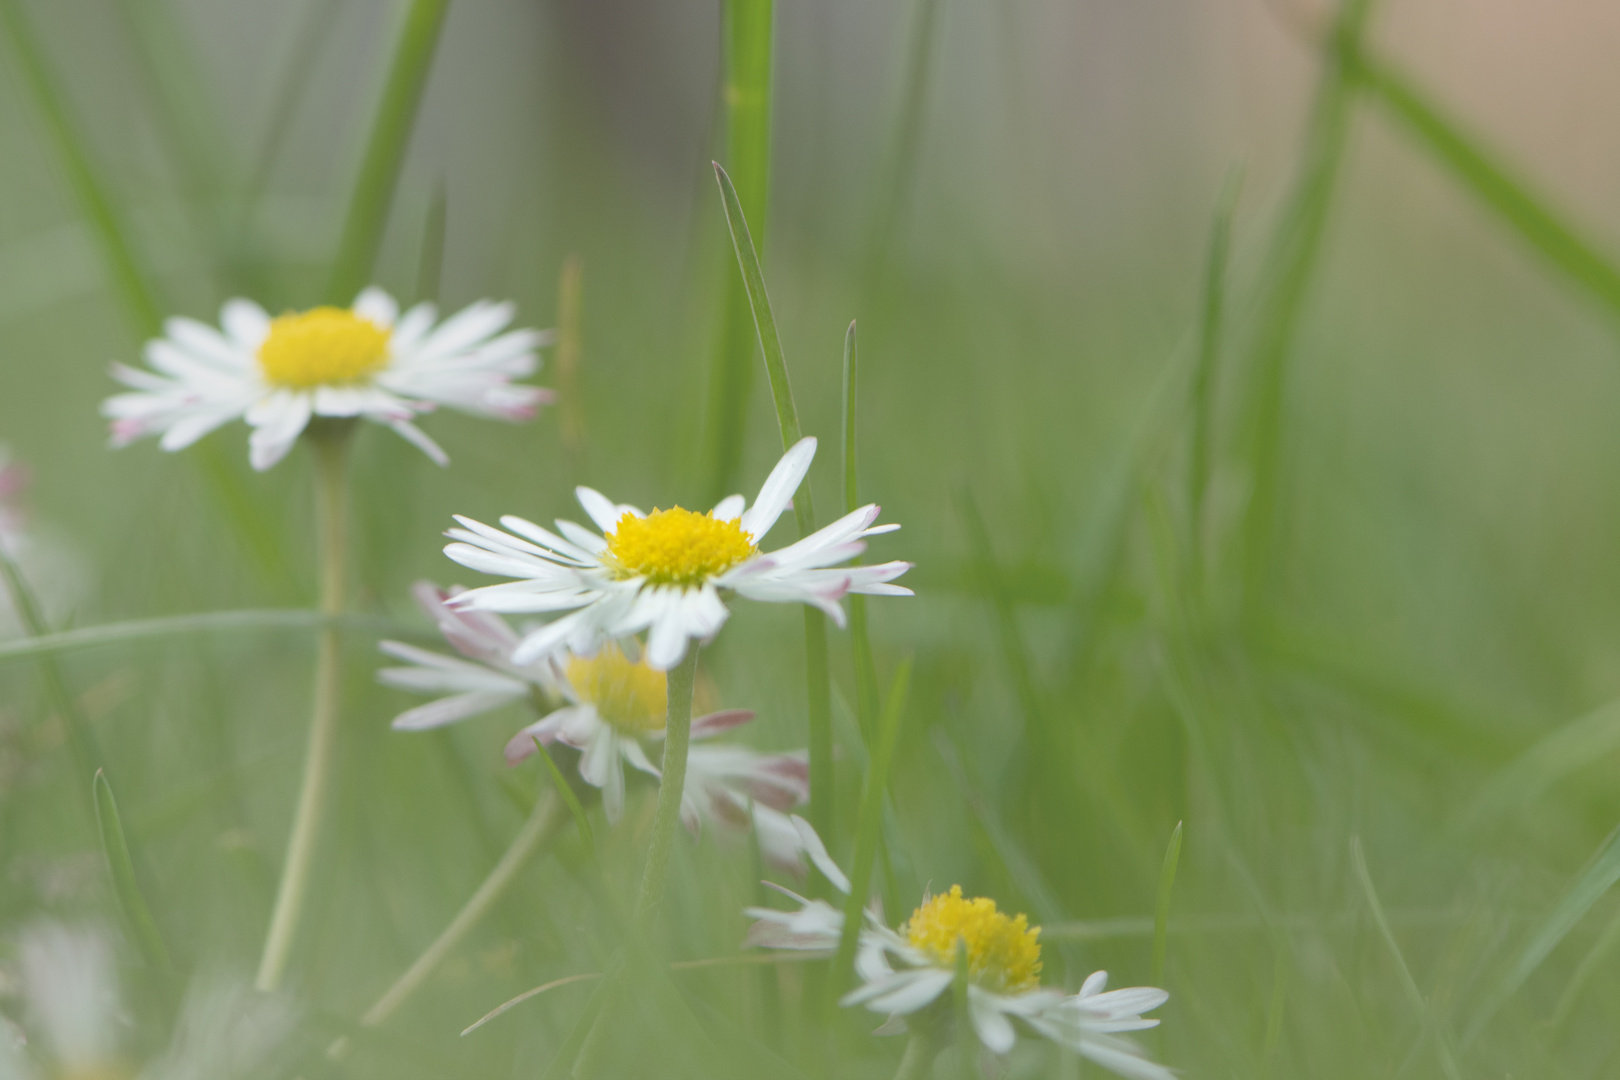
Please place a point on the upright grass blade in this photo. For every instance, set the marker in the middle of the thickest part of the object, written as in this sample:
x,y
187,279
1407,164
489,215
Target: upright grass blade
x,y
1409,986
868,829
747,45
430,263
1161,911
569,797
107,225
1595,879
1205,372
385,150
81,740
819,688
866,692
570,346
1491,182
121,872
1292,269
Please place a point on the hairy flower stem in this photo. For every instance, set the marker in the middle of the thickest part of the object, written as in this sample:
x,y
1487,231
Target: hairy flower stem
x,y
671,786
330,443
918,1061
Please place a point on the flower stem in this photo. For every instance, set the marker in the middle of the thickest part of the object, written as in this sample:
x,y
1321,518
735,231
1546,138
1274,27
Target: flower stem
x,y
331,499
918,1061
677,734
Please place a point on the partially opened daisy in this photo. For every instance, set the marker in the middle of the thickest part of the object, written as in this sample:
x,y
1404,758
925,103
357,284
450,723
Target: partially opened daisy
x,y
367,361
668,572
907,973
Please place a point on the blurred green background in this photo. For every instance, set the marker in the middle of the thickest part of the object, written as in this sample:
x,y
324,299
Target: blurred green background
x,y
1336,564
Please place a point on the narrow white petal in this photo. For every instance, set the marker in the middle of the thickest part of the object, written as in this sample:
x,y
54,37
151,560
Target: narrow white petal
x,y
375,304
599,508
817,851
778,488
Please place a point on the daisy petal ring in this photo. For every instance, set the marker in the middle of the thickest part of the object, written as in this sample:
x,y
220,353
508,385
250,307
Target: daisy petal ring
x,y
667,572
369,360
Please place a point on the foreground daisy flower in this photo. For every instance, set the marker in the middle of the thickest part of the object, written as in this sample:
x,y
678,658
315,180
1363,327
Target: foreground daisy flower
x,y
667,572
77,1028
612,711
907,973
369,361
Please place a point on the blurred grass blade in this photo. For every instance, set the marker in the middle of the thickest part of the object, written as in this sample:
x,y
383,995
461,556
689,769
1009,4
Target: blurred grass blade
x,y
385,150
106,225
430,264
747,33
1594,959
569,354
121,870
1599,874
818,683
210,622
1206,372
1543,229
866,692
1575,745
868,830
569,797
1414,996
1161,912
1293,263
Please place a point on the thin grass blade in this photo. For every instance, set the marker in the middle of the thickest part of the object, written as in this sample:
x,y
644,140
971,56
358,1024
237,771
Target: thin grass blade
x,y
121,871
1161,913
569,797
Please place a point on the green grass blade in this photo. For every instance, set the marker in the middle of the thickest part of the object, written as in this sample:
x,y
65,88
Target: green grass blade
x,y
430,263
1512,200
106,224
121,871
1573,746
1409,986
1161,911
866,693
787,419
211,622
1599,874
1206,371
1294,260
747,27
868,830
385,150
570,797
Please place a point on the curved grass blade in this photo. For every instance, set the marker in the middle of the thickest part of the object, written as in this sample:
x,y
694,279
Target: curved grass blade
x,y
817,680
868,830
1595,879
1414,996
1573,746
1205,372
569,797
866,691
1161,914
121,870
385,150
210,622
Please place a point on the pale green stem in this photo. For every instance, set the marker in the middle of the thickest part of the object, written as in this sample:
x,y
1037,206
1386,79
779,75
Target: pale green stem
x,y
331,498
677,734
541,825
918,1061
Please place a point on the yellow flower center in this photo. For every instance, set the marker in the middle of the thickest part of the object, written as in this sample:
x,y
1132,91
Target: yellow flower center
x,y
322,346
1003,954
629,695
676,546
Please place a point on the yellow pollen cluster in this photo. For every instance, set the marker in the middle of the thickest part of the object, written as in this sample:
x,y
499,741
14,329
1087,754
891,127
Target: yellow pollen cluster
x,y
676,546
628,695
321,347
1003,954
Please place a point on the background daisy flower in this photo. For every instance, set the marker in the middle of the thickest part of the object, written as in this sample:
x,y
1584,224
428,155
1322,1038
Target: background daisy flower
x,y
368,360
906,972
667,572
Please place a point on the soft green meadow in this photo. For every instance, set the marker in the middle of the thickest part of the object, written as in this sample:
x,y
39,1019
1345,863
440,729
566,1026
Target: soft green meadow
x,y
1246,402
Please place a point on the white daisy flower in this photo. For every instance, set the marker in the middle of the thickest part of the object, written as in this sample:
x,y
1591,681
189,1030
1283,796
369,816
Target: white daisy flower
x,y
485,681
225,1030
368,360
735,787
667,572
906,971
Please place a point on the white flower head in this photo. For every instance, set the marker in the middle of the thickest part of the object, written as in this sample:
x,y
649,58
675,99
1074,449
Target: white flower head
x,y
486,680
667,572
70,985
369,360
908,970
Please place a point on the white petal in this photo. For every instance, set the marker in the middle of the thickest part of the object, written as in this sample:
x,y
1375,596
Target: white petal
x,y
599,508
419,439
281,421
376,305
247,323
995,1030
817,851
778,488
450,709
728,508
